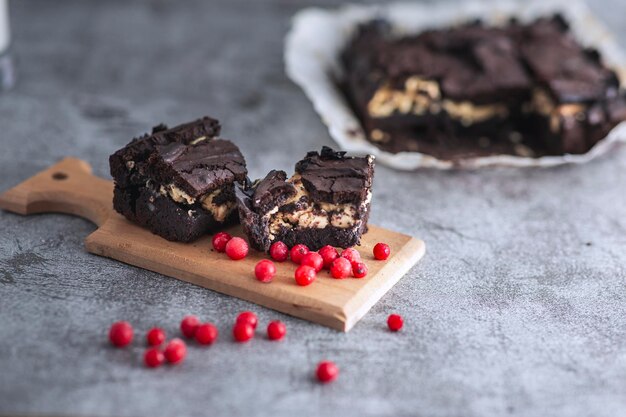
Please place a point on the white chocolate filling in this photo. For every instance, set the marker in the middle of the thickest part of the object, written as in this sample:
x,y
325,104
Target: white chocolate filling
x,y
177,194
318,215
416,97
378,135
198,140
543,104
420,96
469,113
219,211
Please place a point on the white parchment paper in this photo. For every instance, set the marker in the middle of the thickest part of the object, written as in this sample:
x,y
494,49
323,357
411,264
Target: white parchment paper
x,y
317,37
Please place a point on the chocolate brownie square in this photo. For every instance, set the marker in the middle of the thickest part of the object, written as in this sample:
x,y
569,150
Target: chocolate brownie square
x,y
326,202
526,89
178,182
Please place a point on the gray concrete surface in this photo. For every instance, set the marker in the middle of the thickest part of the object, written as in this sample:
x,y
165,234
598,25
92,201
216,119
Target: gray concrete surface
x,y
519,307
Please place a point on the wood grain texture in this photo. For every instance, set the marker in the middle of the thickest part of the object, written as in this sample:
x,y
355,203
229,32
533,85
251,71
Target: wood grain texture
x,y
69,187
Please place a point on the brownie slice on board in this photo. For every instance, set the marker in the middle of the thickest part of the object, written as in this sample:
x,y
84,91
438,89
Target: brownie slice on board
x,y
326,202
178,182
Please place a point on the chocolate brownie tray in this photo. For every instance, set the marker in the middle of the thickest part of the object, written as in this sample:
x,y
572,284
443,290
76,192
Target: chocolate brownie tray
x,y
467,85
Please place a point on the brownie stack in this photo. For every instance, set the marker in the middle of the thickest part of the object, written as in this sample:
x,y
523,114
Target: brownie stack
x,y
326,202
521,89
178,182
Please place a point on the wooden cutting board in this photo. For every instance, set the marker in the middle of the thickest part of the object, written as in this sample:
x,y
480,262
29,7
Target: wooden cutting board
x,y
69,187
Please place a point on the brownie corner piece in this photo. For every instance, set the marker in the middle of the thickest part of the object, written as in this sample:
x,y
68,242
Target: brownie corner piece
x,y
128,165
178,182
326,202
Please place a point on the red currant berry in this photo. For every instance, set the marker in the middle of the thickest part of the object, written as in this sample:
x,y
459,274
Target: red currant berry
x,y
153,358
381,251
279,251
248,317
359,270
155,336
121,333
395,322
242,332
327,371
328,254
175,351
305,275
206,334
265,270
340,268
276,330
220,240
189,325
351,254
236,248
298,252
313,259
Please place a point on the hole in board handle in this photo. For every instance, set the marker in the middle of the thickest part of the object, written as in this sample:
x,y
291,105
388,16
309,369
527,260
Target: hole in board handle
x,y
59,176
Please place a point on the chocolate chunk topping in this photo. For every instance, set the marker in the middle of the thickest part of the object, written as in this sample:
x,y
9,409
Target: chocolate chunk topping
x,y
272,191
184,134
332,177
474,62
137,152
199,168
470,63
562,65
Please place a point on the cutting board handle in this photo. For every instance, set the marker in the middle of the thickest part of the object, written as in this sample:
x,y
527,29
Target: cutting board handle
x,y
66,187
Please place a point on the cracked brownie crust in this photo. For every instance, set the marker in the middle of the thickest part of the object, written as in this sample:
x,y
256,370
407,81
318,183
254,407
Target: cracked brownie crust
x,y
326,202
178,182
521,89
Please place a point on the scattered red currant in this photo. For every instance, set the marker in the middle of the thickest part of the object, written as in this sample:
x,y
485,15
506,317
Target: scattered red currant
x,y
220,240
279,251
351,254
381,251
298,252
236,248
341,268
242,332
327,371
121,333
359,270
265,270
206,334
313,259
175,351
395,322
276,330
328,254
248,317
155,336
305,275
189,325
153,358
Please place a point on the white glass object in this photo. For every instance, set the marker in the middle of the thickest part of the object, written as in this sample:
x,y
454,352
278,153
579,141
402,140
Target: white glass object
x,y
7,75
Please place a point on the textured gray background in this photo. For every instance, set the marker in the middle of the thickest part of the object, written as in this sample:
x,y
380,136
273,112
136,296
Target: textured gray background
x,y
518,308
